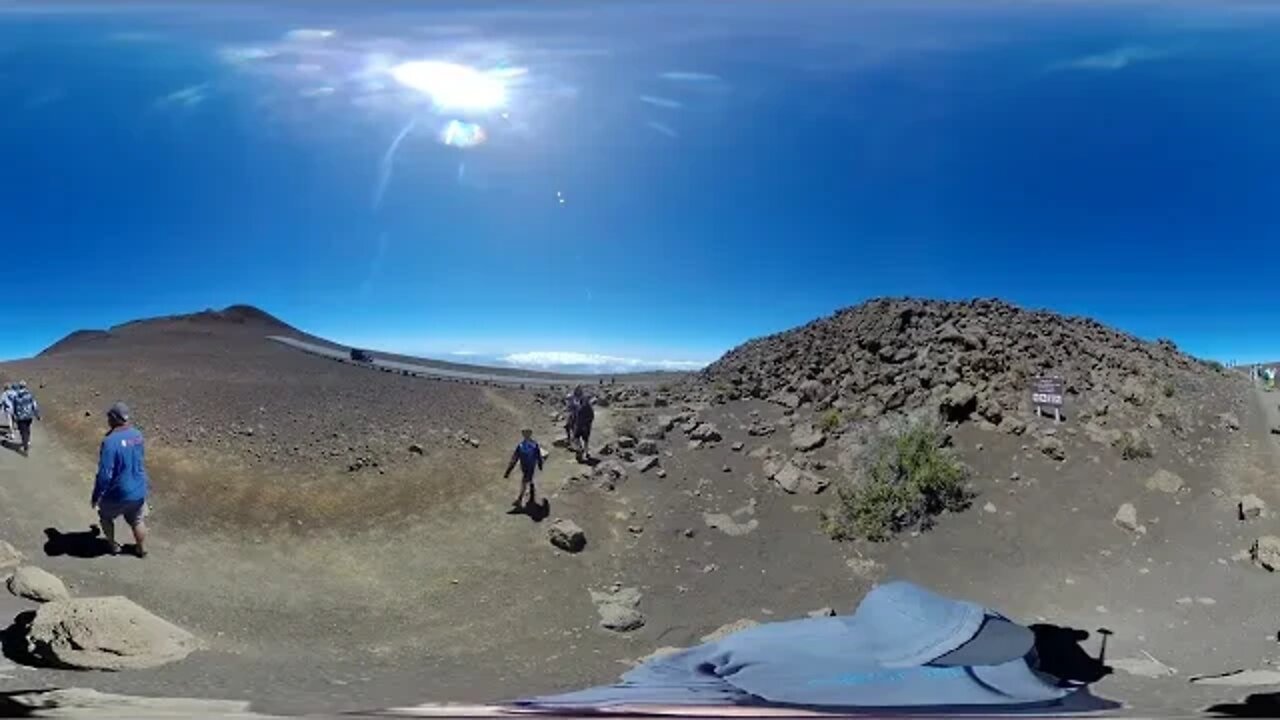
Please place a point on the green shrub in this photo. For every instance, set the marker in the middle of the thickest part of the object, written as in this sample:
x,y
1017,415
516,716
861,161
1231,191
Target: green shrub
x,y
906,480
831,420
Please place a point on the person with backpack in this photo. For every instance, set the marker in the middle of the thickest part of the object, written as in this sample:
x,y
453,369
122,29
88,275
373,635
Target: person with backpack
x,y
582,421
120,488
25,410
529,455
571,402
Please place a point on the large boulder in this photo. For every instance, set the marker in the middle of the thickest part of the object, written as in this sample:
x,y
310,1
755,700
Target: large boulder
x,y
807,437
104,633
792,478
32,583
566,535
1265,552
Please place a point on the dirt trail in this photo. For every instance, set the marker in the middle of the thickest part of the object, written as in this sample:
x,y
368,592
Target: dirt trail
x,y
324,621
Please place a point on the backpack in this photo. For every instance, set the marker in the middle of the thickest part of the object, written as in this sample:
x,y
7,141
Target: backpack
x,y
586,414
24,405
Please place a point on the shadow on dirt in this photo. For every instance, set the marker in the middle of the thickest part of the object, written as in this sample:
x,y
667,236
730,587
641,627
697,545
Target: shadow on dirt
x,y
85,544
13,640
13,446
1257,705
536,512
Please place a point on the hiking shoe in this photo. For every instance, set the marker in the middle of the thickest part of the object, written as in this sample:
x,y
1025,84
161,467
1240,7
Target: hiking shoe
x,y
140,553
113,548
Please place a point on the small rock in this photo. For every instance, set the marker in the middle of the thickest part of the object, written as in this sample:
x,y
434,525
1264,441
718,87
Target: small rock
x,y
647,463
1127,519
1166,482
661,473
417,449
33,583
9,556
822,612
706,432
1052,447
620,619
647,446
989,507
1229,421
737,447
626,441
1250,507
566,535
726,468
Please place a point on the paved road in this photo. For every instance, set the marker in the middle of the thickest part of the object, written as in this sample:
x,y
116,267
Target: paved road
x,y
429,370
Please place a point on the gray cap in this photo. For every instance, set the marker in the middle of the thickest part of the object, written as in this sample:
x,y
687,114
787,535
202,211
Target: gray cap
x,y
118,411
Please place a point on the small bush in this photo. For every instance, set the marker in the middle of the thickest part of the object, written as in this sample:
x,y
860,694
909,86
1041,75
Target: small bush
x,y
831,420
1133,446
907,480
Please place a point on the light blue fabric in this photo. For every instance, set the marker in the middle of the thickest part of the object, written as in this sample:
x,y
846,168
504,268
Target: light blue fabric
x,y
877,657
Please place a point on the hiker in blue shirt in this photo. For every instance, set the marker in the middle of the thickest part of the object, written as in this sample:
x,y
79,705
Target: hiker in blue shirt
x,y
120,489
529,455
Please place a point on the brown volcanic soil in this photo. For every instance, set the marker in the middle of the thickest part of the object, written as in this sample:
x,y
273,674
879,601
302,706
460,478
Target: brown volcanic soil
x,y
376,603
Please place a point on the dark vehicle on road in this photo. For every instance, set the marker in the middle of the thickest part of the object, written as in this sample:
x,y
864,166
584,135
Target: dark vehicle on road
x,y
361,356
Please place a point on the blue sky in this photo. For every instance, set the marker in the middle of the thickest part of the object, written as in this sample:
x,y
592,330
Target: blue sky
x,y
655,181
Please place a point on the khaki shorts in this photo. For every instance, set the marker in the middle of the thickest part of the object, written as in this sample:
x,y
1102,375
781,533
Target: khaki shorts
x,y
133,512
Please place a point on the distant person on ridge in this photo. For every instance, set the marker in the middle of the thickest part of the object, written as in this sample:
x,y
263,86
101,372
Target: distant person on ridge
x,y
120,489
25,410
529,455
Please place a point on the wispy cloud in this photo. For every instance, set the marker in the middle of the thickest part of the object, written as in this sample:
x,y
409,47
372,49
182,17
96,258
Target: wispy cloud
x,y
661,102
1111,60
578,362
683,76
189,96
663,129
308,34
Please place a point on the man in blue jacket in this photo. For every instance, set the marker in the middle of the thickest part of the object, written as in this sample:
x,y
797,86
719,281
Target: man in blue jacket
x,y
529,455
120,489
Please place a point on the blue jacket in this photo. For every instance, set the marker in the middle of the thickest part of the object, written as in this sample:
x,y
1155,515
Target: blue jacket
x,y
122,476
879,657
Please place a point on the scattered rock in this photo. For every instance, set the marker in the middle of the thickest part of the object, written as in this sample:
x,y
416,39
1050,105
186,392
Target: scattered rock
x,y
626,441
647,463
958,404
1265,552
1052,447
792,478
647,446
759,429
1229,421
1013,425
416,449
1127,519
566,535
807,437
9,556
737,447
1250,507
989,507
609,474
1166,482
620,619
706,432
33,583
104,633
728,629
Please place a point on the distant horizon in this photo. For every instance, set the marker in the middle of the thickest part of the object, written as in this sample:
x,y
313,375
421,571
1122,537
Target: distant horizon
x,y
575,362
636,184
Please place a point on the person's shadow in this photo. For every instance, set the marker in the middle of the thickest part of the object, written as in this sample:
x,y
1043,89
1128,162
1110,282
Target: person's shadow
x,y
82,544
11,445
537,512
1060,655
1257,705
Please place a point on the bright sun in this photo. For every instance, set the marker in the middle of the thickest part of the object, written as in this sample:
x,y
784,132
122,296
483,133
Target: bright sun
x,y
451,86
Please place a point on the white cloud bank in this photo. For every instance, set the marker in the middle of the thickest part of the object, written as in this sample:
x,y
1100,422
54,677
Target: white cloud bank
x,y
577,362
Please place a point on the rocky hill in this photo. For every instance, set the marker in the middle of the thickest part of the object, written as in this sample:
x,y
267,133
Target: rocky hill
x,y
971,360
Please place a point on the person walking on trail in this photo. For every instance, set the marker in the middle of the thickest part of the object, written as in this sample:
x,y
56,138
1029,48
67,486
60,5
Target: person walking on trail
x,y
25,410
120,489
529,455
582,420
571,402
6,409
